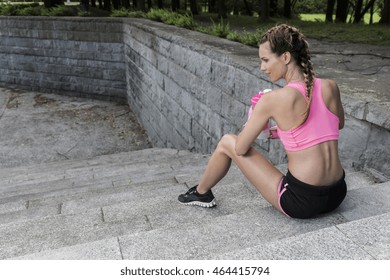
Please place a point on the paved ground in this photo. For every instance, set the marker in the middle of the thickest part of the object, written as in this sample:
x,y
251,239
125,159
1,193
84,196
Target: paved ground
x,y
38,128
361,68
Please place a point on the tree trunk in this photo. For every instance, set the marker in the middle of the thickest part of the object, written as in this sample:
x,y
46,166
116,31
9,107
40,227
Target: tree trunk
x,y
141,5
115,4
212,6
84,5
359,14
160,4
329,10
53,3
385,17
175,5
372,14
358,10
107,5
287,9
221,7
264,10
247,8
342,11
194,7
273,8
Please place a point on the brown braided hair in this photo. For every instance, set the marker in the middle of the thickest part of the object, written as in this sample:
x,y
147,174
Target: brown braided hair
x,y
284,38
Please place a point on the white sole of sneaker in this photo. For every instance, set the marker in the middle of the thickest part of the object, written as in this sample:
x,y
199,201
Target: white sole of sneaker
x,y
201,204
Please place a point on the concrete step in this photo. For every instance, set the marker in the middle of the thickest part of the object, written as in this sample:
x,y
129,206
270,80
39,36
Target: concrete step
x,y
132,209
82,174
72,168
362,239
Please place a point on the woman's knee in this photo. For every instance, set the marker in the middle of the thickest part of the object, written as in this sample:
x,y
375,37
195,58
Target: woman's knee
x,y
227,143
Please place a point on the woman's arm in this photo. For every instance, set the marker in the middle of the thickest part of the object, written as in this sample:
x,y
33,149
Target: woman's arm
x,y
260,116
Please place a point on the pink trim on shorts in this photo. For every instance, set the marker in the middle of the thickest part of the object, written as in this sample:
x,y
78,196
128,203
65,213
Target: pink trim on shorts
x,y
280,193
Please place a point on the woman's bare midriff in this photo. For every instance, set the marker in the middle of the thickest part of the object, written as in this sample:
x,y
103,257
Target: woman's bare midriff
x,y
318,165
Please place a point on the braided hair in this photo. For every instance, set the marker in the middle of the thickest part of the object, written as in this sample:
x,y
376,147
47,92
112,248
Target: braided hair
x,y
284,38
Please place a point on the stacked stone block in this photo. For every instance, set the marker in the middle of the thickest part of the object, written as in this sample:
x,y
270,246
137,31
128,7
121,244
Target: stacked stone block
x,y
82,57
188,94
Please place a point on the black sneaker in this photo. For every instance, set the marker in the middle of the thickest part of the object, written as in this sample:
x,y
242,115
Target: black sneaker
x,y
192,197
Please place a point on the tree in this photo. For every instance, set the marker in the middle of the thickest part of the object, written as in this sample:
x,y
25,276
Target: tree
x,y
175,4
329,10
141,5
53,3
287,9
212,6
385,16
247,9
273,7
160,4
107,5
359,13
341,11
264,10
115,4
194,7
221,8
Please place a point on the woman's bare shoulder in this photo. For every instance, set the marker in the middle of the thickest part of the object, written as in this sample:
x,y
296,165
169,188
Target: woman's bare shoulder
x,y
331,86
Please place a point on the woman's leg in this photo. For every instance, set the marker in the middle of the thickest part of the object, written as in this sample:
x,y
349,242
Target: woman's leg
x,y
259,171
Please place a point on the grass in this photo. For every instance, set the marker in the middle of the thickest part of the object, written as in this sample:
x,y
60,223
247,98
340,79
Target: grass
x,y
321,18
375,34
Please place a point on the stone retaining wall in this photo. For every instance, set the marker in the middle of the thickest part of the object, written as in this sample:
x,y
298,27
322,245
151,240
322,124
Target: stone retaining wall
x,y
187,89
82,57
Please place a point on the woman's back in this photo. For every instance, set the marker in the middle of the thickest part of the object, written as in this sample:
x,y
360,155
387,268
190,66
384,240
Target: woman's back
x,y
311,144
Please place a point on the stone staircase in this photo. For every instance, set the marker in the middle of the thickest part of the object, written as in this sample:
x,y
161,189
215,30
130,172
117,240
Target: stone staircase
x,y
124,206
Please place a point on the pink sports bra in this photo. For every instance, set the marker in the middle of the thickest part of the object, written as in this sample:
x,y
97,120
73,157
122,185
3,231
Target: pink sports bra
x,y
320,126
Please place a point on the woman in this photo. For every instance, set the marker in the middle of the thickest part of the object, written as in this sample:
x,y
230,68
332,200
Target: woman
x,y
308,113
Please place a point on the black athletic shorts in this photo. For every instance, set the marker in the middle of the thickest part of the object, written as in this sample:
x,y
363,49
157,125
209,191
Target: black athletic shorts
x,y
300,200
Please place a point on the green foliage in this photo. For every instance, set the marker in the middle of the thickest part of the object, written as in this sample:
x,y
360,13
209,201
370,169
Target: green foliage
x,y
9,9
233,36
30,11
220,29
63,11
120,13
172,18
310,6
136,14
250,39
34,9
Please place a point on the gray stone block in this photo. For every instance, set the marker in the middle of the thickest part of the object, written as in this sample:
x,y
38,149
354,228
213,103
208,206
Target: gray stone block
x,y
234,111
12,206
357,180
377,153
323,244
222,75
200,240
27,236
366,202
353,142
370,234
29,214
133,193
106,249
